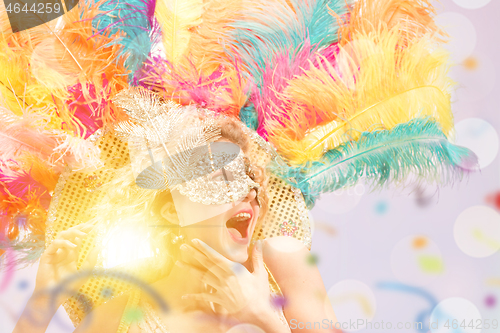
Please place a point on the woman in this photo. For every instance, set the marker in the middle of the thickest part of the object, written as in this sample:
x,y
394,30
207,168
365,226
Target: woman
x,y
219,280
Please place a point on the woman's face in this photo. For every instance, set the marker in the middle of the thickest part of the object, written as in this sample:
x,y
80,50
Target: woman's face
x,y
227,228
228,233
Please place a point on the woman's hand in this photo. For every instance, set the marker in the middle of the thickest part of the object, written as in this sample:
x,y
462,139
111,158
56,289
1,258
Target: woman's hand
x,y
245,296
59,262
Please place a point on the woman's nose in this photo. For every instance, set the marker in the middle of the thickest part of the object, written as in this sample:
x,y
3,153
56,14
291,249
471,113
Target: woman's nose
x,y
251,195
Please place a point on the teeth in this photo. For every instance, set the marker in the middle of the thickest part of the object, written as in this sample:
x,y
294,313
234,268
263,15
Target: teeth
x,y
243,215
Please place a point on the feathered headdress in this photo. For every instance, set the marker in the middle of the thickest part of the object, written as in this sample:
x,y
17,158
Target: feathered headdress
x,y
344,90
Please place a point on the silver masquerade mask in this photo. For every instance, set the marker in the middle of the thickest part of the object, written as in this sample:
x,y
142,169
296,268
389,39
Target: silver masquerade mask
x,y
228,184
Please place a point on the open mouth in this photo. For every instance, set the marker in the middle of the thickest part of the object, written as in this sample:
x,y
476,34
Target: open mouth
x,y
238,226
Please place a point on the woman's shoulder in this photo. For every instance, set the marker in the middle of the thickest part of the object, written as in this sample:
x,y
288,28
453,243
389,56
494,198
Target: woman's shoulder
x,y
276,250
107,317
289,260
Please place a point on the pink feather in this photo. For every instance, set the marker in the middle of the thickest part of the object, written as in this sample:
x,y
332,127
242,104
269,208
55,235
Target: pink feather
x,y
31,134
26,133
268,100
22,185
187,85
87,112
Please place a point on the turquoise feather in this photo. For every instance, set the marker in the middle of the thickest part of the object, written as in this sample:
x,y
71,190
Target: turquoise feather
x,y
248,116
322,27
417,147
135,19
27,252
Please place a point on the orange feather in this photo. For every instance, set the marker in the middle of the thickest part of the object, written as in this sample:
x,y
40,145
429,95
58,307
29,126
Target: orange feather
x,y
413,17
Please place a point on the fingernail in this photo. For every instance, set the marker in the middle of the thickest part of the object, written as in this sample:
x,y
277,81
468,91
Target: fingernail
x,y
184,297
259,245
178,263
184,247
195,241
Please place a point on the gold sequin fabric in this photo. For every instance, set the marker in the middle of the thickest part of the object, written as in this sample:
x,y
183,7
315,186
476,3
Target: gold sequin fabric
x,y
151,323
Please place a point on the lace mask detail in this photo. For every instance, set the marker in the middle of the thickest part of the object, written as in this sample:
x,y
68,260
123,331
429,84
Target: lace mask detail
x,y
187,165
229,184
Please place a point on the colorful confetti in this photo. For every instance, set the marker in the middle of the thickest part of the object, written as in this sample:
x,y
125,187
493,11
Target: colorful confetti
x,y
430,264
490,301
312,259
133,315
420,242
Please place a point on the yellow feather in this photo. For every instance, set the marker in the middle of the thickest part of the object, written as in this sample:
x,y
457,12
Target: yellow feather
x,y
176,18
18,87
375,84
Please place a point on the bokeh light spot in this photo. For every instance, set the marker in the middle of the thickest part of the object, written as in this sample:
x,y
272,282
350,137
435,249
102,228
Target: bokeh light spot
x,y
285,244
352,300
245,328
462,33
455,310
341,201
472,4
479,136
476,77
477,231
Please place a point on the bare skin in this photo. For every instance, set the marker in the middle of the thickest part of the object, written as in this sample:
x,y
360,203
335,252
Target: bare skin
x,y
57,263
